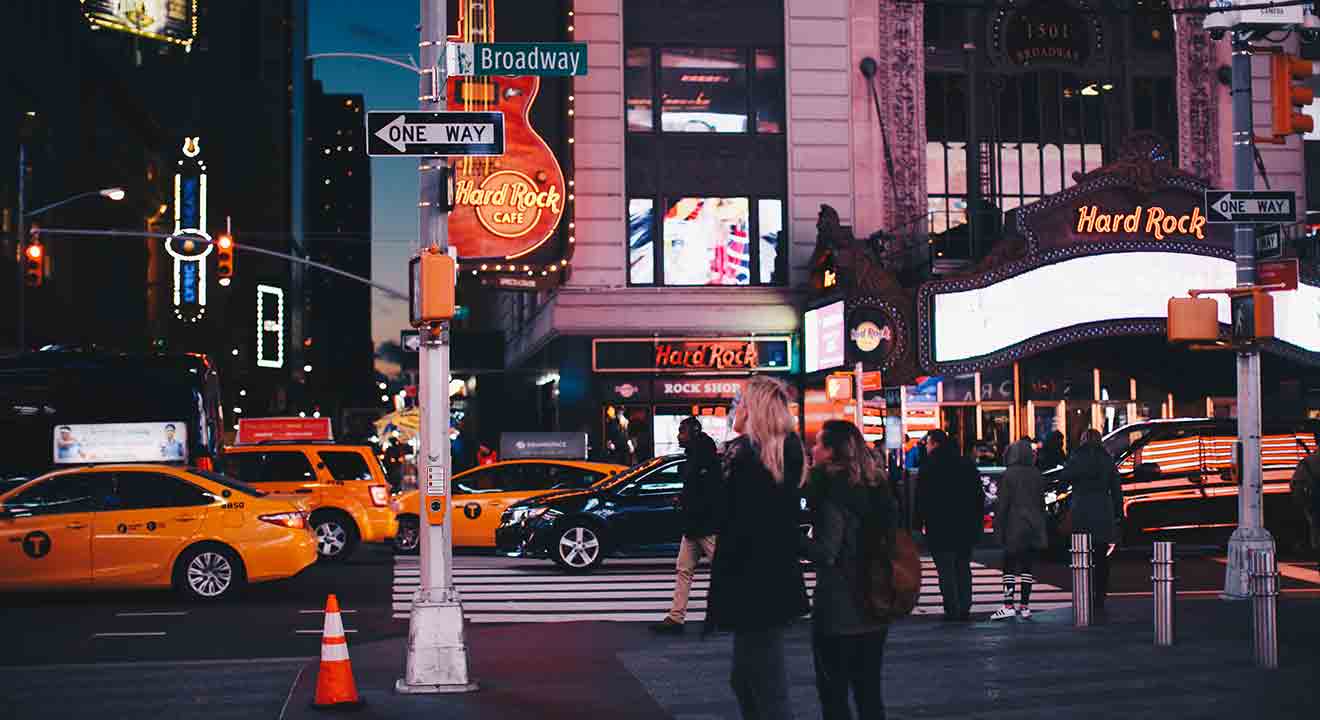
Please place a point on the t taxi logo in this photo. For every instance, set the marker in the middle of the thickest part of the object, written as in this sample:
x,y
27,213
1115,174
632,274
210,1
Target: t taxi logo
x,y
1157,222
36,544
509,203
472,511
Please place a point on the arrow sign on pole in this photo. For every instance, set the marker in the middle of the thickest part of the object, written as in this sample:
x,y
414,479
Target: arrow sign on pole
x,y
1250,206
428,134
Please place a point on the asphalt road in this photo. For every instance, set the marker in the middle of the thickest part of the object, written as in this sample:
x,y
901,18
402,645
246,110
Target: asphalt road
x,y
270,620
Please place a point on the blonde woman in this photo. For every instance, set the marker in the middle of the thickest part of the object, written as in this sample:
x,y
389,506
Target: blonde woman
x,y
756,581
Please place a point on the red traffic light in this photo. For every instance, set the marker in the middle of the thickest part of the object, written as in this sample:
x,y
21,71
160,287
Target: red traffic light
x,y
34,252
1287,99
225,242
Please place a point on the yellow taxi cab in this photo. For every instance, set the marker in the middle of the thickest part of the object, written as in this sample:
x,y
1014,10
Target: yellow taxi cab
x,y
148,526
481,494
344,486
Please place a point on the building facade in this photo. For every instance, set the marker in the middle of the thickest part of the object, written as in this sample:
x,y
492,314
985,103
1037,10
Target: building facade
x,y
736,162
337,311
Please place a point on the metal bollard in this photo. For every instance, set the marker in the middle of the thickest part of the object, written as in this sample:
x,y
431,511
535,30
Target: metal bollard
x,y
1165,592
1082,562
1263,578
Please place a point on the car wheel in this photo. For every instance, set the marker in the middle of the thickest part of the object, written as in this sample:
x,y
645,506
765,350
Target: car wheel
x,y
336,536
407,540
208,573
579,548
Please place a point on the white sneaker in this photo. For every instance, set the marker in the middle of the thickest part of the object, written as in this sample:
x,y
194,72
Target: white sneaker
x,y
1003,613
1024,613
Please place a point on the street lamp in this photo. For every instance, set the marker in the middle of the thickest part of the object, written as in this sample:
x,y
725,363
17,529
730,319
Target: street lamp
x,y
112,193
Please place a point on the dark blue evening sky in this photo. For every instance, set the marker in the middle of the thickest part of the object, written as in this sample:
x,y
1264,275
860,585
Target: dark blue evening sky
x,y
383,27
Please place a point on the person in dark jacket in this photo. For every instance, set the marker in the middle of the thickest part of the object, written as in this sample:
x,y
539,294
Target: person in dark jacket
x,y
951,508
1305,487
1051,452
845,489
756,587
699,507
1097,504
1019,526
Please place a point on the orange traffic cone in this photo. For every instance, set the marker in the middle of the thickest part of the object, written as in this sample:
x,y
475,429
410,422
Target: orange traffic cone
x,y
334,681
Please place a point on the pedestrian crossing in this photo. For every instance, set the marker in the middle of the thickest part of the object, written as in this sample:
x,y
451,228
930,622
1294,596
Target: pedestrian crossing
x,y
505,590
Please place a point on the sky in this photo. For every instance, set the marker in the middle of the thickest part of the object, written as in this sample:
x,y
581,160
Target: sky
x,y
389,28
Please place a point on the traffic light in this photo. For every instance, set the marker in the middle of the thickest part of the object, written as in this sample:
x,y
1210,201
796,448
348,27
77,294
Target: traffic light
x,y
224,259
34,264
1287,99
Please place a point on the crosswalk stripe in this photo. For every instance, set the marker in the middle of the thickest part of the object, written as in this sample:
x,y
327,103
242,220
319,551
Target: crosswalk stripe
x,y
500,590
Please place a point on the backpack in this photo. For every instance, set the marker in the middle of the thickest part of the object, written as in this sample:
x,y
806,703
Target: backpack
x,y
888,570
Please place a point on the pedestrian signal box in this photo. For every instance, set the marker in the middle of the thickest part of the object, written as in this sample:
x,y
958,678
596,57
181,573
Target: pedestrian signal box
x,y
431,283
1193,319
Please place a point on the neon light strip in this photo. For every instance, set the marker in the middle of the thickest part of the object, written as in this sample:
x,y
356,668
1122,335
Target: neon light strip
x,y
201,223
178,220
278,362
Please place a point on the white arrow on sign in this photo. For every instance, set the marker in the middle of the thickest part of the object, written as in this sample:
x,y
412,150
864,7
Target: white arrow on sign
x,y
399,134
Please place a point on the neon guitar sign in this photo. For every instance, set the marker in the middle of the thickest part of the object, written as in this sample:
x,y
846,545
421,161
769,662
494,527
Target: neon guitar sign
x,y
504,207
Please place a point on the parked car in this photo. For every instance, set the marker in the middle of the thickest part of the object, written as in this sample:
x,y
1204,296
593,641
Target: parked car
x,y
632,512
1179,480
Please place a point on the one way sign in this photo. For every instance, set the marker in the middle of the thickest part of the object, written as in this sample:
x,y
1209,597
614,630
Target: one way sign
x,y
1250,206
423,134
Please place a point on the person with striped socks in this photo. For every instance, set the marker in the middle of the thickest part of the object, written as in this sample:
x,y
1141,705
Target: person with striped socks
x,y
1019,526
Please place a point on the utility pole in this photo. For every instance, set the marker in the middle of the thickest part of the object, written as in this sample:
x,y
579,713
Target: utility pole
x,y
20,238
437,658
1250,534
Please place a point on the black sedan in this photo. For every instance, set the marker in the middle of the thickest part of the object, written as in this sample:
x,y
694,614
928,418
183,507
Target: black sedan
x,y
634,512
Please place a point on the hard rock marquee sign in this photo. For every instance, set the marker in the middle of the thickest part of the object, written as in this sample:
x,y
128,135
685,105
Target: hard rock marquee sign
x,y
692,355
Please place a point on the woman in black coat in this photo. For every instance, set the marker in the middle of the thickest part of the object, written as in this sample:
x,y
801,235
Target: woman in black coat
x,y
848,644
756,587
1097,504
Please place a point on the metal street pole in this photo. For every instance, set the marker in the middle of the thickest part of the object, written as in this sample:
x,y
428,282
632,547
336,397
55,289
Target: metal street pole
x,y
20,237
437,658
1250,534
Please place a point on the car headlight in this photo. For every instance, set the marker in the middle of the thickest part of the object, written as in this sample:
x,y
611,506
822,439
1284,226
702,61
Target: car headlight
x,y
1051,497
516,515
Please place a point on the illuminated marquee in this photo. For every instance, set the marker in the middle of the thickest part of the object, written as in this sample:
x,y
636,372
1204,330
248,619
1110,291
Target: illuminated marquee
x,y
270,326
172,21
693,355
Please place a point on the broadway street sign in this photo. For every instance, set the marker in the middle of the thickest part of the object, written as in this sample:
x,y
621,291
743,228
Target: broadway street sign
x,y
1250,206
408,133
547,59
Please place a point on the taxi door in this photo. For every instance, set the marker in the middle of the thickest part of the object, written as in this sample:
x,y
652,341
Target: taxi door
x,y
145,523
480,497
278,471
46,531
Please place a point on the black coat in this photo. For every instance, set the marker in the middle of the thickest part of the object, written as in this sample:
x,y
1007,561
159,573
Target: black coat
x,y
950,502
702,499
1097,494
838,511
756,578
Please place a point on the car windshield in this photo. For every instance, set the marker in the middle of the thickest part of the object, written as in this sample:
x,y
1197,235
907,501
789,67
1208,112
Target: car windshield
x,y
228,482
615,480
1118,443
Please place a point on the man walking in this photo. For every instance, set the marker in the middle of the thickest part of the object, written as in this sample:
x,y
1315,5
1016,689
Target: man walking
x,y
1306,491
700,508
950,506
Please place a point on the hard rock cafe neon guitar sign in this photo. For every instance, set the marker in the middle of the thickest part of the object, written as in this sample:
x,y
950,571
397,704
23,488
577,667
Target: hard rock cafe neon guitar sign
x,y
504,207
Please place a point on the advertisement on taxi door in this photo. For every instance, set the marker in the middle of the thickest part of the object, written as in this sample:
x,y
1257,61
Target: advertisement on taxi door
x,y
120,442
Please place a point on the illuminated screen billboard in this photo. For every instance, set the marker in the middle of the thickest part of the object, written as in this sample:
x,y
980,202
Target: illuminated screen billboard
x,y
825,337
1097,289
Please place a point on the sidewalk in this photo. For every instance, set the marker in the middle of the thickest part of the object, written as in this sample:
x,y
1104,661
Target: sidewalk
x,y
1017,669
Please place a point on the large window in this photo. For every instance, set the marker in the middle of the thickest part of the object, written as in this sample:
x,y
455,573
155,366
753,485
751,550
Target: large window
x,y
704,90
707,241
